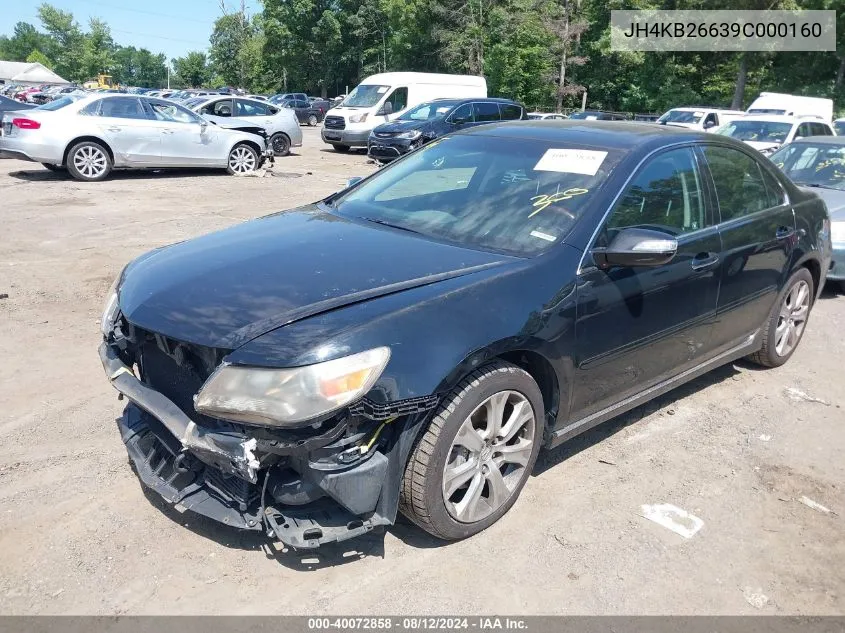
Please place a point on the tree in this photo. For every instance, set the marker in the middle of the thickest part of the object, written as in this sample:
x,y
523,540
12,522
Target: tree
x,y
230,41
37,57
67,41
25,39
98,49
192,69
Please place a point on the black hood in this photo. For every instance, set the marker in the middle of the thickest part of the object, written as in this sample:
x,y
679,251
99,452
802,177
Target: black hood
x,y
227,288
395,127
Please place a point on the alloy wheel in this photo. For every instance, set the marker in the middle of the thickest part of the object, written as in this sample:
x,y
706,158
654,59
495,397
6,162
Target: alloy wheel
x,y
90,161
792,318
242,160
488,456
312,120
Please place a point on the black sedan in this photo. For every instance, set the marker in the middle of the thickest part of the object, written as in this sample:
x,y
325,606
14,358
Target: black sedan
x,y
411,342
12,105
306,112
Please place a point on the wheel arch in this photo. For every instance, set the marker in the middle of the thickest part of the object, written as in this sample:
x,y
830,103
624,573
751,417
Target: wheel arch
x,y
83,139
245,141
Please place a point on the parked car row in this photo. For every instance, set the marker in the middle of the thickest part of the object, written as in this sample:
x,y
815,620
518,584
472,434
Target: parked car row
x,y
90,135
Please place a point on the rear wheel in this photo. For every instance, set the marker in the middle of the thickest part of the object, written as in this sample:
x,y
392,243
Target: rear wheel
x,y
471,463
53,167
280,144
341,148
312,120
88,161
243,159
787,321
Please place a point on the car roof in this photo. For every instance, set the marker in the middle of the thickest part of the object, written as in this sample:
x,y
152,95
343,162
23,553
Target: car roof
x,y
457,100
782,118
622,135
821,140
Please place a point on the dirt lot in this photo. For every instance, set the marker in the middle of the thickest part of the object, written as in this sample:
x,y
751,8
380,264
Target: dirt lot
x,y
737,448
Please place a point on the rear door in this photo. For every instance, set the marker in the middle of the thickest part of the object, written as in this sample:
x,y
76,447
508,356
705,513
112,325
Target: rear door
x,y
132,134
637,326
757,229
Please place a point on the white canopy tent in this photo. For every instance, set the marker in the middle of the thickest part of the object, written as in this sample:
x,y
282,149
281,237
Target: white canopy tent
x,y
28,73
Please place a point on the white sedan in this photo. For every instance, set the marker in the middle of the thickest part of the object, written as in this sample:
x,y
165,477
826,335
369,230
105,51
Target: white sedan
x,y
92,135
281,123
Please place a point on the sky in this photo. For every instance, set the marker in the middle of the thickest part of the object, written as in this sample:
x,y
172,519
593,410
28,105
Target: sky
x,y
172,27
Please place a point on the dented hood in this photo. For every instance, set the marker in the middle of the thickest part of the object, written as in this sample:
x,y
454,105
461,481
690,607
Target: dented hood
x,y
227,288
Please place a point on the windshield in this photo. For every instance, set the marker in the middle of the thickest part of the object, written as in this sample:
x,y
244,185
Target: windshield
x,y
365,96
818,164
681,116
756,131
839,128
517,198
426,111
59,103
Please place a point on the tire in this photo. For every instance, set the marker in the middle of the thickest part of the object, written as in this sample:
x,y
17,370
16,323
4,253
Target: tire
x,y
89,161
841,286
53,167
423,496
794,301
340,148
242,159
312,120
280,143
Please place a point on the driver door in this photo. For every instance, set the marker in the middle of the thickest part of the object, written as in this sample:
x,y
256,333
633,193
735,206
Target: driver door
x,y
187,140
637,326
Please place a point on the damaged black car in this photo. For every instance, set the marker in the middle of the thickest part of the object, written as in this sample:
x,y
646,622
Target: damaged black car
x,y
409,343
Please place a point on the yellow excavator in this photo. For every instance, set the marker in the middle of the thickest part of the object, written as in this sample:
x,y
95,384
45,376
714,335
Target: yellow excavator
x,y
102,82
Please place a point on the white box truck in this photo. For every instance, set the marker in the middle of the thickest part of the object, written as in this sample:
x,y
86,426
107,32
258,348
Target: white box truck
x,y
379,97
792,105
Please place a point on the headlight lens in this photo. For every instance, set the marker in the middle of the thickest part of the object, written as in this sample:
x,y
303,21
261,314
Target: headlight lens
x,y
411,134
837,232
358,118
110,310
286,397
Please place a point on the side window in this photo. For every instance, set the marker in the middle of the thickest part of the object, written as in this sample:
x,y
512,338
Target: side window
x,y
804,130
664,196
462,114
219,108
93,108
740,188
820,129
122,108
173,113
249,108
485,111
510,112
398,99
302,104
775,194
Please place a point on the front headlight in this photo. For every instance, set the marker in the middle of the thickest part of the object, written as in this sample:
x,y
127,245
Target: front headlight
x,y
286,397
358,118
110,310
837,232
410,135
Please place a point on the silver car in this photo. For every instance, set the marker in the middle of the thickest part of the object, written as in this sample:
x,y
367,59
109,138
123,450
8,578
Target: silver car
x,y
94,134
281,123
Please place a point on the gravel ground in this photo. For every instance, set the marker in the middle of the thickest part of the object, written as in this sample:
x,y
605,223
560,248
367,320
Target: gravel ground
x,y
737,448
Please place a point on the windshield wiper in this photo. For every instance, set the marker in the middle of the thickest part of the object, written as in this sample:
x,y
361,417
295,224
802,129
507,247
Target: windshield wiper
x,y
819,185
390,224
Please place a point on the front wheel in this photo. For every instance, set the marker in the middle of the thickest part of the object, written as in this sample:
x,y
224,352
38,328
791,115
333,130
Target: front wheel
x,y
88,161
280,144
786,323
471,463
243,159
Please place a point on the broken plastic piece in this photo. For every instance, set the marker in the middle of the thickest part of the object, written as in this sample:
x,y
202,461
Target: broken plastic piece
x,y
673,518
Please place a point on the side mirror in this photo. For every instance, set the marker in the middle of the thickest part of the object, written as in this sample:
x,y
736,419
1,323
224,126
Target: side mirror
x,y
460,120
203,126
353,181
386,109
637,247
709,124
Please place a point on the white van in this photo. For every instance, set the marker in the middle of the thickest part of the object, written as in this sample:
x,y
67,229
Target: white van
x,y
792,105
388,94
701,118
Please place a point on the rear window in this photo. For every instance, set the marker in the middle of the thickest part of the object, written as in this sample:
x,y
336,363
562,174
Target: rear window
x,y
510,111
485,111
58,104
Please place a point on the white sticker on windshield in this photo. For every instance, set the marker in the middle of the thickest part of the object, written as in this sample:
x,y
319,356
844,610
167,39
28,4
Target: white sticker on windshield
x,y
571,161
382,89
543,236
698,114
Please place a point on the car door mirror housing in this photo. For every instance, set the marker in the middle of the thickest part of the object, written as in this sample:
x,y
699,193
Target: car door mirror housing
x,y
386,109
637,247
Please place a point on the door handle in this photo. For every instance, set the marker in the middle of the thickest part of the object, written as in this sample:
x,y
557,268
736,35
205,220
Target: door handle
x,y
704,261
167,131
784,233
114,129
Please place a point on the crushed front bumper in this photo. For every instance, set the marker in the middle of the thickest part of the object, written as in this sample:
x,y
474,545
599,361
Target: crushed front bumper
x,y
300,491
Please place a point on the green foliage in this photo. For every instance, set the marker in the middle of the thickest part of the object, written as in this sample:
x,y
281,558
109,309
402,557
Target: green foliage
x,y
192,69
37,57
